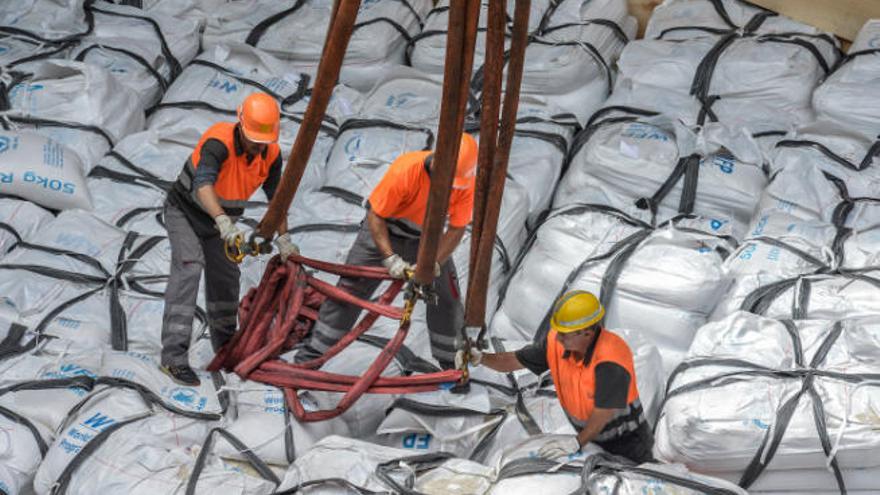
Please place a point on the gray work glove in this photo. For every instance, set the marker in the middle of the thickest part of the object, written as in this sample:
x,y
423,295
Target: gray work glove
x,y
560,447
396,266
476,358
228,231
286,247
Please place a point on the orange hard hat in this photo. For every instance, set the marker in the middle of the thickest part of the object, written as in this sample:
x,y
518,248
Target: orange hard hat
x,y
260,118
466,168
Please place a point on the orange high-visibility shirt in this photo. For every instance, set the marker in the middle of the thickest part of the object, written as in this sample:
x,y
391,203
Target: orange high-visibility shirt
x,y
403,193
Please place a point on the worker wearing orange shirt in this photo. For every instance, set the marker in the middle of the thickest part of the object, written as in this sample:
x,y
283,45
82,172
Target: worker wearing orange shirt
x,y
593,371
229,163
389,237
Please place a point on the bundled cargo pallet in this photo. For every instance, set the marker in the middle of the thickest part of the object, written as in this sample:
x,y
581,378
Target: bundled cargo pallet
x,y
726,60
777,404
665,169
296,31
86,282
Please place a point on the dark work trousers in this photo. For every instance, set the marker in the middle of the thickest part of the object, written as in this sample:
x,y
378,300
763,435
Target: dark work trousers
x,y
635,445
336,318
190,255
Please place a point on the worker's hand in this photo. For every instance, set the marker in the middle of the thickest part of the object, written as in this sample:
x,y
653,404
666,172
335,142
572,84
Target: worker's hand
x,y
560,447
228,231
286,247
396,266
476,357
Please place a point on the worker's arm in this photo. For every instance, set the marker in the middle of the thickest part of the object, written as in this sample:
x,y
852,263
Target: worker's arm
x,y
504,362
595,424
209,200
449,242
379,230
212,155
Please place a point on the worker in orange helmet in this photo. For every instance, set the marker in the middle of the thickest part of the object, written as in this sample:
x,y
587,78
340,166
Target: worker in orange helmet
x,y
389,237
593,371
229,163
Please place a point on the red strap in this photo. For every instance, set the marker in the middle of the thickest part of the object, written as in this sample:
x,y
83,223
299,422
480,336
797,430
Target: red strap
x,y
278,313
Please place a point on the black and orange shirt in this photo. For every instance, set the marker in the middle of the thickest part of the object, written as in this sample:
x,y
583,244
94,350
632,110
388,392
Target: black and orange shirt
x,y
220,159
604,378
401,197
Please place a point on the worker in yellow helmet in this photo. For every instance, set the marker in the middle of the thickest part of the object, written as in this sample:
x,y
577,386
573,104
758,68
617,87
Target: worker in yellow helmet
x,y
229,163
592,369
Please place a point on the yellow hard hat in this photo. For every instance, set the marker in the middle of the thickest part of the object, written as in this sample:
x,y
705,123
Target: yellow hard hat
x,y
576,310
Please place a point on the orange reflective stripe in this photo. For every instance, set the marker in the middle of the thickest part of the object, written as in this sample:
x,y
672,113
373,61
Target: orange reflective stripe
x,y
237,179
576,381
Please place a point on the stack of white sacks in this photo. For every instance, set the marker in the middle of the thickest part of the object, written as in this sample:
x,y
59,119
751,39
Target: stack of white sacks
x,y
106,102
572,48
295,31
799,325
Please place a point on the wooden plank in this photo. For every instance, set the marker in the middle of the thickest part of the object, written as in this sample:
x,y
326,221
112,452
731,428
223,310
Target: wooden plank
x,y
841,17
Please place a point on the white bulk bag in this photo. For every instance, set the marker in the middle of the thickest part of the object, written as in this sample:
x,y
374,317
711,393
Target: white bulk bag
x,y
845,95
201,402
20,456
52,19
70,296
129,184
723,427
763,83
677,18
145,51
18,51
103,410
223,76
635,159
570,60
87,108
538,151
377,44
611,477
31,395
821,167
19,220
42,170
364,150
759,262
263,422
405,96
336,457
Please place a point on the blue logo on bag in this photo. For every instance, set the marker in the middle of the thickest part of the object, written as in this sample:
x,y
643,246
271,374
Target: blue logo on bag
x,y
4,143
184,395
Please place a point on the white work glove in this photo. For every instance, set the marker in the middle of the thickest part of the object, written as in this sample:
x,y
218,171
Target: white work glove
x,y
286,247
475,360
228,231
437,269
560,447
396,266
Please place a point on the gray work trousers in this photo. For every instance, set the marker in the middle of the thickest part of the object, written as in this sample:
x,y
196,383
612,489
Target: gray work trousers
x,y
190,255
336,318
